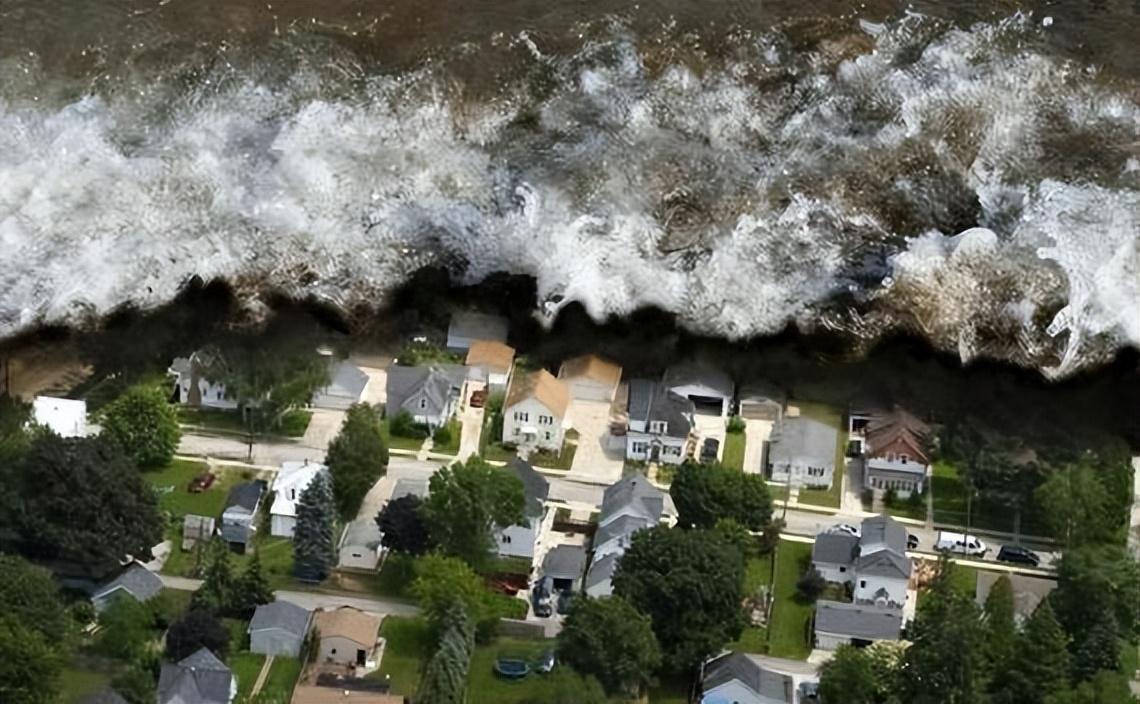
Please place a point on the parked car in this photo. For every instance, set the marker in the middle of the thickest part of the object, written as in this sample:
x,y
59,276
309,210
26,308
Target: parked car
x,y
478,398
565,598
1018,554
960,543
543,602
545,663
844,528
201,483
709,449
911,541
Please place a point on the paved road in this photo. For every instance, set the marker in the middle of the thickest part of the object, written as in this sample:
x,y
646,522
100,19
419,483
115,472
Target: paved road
x,y
316,600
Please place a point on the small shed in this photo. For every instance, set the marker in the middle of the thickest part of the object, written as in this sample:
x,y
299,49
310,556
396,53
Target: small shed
x,y
347,383
347,635
278,628
196,528
565,565
360,545
135,582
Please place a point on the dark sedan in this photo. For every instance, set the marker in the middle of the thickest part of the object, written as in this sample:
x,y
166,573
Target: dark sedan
x,y
1018,554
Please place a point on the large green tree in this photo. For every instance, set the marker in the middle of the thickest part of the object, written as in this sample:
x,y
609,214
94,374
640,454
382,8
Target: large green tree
x,y
444,680
441,581
83,501
850,676
1039,663
403,526
467,501
30,596
29,664
144,424
1075,506
612,641
705,494
314,539
1097,601
253,588
1105,686
690,583
1001,631
196,629
218,592
125,629
357,457
946,662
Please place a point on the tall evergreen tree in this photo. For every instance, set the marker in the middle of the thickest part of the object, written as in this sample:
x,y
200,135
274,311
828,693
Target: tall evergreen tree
x,y
29,664
1039,663
314,542
445,678
253,588
1001,634
357,457
219,584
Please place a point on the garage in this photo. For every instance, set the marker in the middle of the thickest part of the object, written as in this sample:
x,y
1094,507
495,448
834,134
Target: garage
x,y
708,405
709,388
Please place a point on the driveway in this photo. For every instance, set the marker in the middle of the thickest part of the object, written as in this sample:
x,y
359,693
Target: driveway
x,y
710,425
315,600
851,499
471,420
398,468
270,454
756,433
594,460
377,390
322,428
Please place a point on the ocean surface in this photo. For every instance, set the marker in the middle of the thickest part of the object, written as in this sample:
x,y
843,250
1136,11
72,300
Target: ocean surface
x,y
968,172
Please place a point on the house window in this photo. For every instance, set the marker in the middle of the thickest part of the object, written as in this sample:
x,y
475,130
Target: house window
x,y
506,538
639,448
333,651
657,427
862,584
545,420
218,394
842,569
516,431
423,403
903,458
548,435
522,416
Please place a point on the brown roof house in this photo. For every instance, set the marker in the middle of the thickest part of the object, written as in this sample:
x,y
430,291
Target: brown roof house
x,y
894,452
491,363
347,636
590,378
534,412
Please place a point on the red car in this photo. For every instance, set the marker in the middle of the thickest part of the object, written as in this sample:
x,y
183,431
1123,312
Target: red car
x,y
201,483
478,398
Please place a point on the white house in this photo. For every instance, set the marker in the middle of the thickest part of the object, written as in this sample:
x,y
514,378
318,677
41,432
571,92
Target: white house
x,y
292,480
629,505
590,378
744,678
347,384
838,623
193,385
491,362
894,452
468,326
347,636
65,417
802,451
534,411
519,541
709,389
360,545
875,564
278,628
660,424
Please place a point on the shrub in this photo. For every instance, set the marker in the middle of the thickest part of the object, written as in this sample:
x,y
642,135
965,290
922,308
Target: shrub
x,y
294,423
442,435
735,424
811,585
890,498
405,426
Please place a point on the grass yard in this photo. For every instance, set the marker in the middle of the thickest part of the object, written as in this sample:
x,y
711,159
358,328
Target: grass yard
x,y
949,499
485,687
276,559
757,572
834,417
788,635
246,667
408,644
282,678
398,442
452,447
395,576
778,491
178,500
734,444
670,689
544,458
76,683
292,425
904,508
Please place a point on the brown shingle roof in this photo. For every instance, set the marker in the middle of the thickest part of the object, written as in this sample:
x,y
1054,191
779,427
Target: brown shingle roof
x,y
493,355
897,424
540,385
592,367
350,623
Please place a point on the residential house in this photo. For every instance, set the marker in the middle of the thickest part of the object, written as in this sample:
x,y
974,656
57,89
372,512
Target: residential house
x,y
361,545
63,416
519,541
744,678
135,582
240,513
710,389
278,628
491,362
468,326
894,452
875,564
838,623
761,402
660,424
590,378
291,481
347,635
534,411
347,384
429,393
834,554
629,505
565,565
802,451
196,382
195,529
1028,592
200,678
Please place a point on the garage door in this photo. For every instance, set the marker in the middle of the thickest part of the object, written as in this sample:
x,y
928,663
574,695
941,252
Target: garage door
x,y
754,410
708,404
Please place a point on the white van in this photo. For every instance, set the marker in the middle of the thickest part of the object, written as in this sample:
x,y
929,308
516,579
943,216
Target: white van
x,y
959,543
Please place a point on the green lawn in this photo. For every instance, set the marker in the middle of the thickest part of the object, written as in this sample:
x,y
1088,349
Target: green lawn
x,y
833,417
452,447
276,559
734,451
757,572
398,442
292,425
544,458
915,508
788,635
950,505
180,502
485,687
670,689
246,667
282,678
408,644
76,683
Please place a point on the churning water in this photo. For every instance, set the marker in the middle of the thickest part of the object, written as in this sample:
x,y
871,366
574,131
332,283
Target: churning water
x,y
974,179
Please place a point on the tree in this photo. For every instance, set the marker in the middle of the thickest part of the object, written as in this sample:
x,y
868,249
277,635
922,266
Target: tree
x,y
1096,646
125,629
705,494
444,680
135,684
466,502
850,677
441,581
565,686
356,458
811,585
1074,504
84,502
1105,686
1001,630
253,588
612,641
145,425
1098,591
403,527
29,664
945,663
196,629
30,597
1039,663
218,592
690,583
314,542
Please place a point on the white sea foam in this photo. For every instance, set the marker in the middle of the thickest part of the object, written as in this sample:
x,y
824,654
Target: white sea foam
x,y
737,204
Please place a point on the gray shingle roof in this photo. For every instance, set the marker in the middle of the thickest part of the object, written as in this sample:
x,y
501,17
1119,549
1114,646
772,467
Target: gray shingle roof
x,y
636,492
862,621
884,563
621,526
884,530
136,579
346,379
435,381
835,548
535,486
410,487
752,671
363,531
803,441
246,495
602,570
201,678
640,397
283,615
564,562
676,412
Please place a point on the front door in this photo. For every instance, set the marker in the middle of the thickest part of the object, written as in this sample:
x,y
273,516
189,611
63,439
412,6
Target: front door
x,y
654,453
361,657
